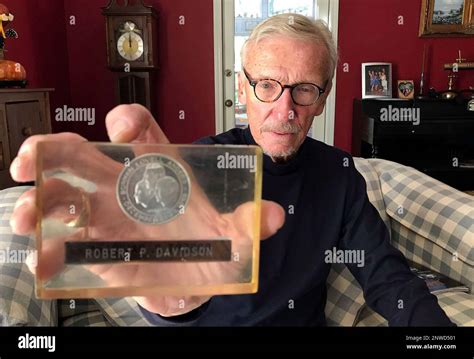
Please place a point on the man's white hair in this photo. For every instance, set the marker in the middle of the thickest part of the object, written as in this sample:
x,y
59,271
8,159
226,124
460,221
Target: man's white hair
x,y
298,27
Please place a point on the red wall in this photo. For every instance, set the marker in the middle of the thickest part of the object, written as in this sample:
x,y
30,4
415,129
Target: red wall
x,y
91,83
72,58
369,32
185,79
41,47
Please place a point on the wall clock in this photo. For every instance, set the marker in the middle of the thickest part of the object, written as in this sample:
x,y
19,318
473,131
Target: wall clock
x,y
131,35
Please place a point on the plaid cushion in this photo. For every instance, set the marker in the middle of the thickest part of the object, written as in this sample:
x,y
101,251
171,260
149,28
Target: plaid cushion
x,y
345,297
374,190
432,223
88,319
420,250
369,318
100,312
122,312
18,304
458,306
80,312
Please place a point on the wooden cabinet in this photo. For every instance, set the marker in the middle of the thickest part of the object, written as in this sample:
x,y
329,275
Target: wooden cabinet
x,y
23,112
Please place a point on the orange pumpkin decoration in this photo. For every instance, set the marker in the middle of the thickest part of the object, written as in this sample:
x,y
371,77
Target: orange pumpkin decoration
x,y
11,71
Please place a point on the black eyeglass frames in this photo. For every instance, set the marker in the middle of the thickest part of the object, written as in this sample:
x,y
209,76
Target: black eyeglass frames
x,y
270,90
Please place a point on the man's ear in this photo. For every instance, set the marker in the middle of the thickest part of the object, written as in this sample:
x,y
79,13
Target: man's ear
x,y
322,101
242,94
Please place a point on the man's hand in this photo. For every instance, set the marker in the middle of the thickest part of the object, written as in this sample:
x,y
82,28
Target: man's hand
x,y
133,124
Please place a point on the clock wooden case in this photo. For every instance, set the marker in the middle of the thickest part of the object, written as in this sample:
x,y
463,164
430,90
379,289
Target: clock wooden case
x,y
131,36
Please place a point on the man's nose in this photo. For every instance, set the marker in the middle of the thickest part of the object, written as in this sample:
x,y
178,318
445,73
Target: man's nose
x,y
285,106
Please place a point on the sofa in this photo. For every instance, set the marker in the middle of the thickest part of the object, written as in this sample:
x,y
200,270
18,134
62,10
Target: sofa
x,y
431,223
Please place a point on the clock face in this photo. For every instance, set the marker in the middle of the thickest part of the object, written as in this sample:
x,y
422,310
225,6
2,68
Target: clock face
x,y
130,43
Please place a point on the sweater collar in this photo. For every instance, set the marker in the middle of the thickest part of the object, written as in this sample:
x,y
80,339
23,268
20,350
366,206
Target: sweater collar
x,y
279,168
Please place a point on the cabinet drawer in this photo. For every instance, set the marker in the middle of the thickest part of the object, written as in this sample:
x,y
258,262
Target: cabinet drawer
x,y
23,120
23,112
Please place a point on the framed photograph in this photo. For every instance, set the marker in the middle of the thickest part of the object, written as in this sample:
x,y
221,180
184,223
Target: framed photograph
x,y
377,80
406,89
447,18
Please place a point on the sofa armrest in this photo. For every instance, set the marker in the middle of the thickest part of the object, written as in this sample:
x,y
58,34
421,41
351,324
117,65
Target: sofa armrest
x,y
18,304
458,306
432,223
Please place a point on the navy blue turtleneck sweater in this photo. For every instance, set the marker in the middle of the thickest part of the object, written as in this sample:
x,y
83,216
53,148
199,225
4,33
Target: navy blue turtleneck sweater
x,y
330,211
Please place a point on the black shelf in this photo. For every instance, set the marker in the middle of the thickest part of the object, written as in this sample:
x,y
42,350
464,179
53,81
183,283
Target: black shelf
x,y
444,133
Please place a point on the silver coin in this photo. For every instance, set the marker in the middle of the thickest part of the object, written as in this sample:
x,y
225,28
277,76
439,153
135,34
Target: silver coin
x,y
153,189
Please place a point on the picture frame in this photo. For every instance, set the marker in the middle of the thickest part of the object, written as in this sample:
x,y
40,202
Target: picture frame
x,y
406,89
377,80
446,18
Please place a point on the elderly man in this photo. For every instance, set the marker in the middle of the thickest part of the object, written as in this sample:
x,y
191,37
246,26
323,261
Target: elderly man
x,y
288,66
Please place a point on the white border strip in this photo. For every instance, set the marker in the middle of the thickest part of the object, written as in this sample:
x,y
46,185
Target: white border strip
x,y
331,103
218,66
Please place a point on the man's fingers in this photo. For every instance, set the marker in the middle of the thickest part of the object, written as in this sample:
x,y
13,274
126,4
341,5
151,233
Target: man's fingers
x,y
51,259
61,201
168,306
133,124
32,261
23,219
23,222
23,167
273,217
84,160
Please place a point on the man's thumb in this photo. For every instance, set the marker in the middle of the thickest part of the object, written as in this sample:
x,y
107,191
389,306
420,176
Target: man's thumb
x,y
133,124
273,218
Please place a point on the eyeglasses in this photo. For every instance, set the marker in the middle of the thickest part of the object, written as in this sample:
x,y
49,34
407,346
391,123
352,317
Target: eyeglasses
x,y
269,90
